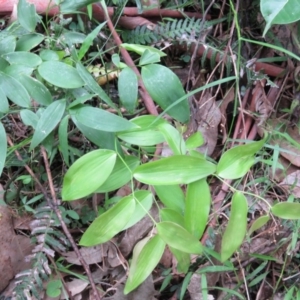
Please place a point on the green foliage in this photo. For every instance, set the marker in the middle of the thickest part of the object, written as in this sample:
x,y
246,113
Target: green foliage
x,y
179,30
279,12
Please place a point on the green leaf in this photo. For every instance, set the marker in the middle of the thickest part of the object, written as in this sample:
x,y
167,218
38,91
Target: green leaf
x,y
120,175
237,161
27,16
165,88
36,90
93,85
23,58
60,74
183,260
194,141
63,139
143,204
3,147
171,215
29,118
279,12
149,57
179,238
4,106
48,121
47,54
100,119
110,223
286,210
14,90
106,140
142,137
258,223
171,196
89,41
237,225
128,89
177,169
197,207
7,44
54,288
88,173
29,41
145,259
148,121
140,49
173,138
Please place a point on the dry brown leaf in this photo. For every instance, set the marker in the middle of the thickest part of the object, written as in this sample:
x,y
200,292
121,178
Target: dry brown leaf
x,y
292,183
137,232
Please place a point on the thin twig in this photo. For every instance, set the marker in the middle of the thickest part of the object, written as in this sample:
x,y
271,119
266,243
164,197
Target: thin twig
x,y
128,60
65,228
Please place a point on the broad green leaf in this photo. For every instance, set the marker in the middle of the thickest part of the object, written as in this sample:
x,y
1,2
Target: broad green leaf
x,y
179,238
165,88
148,121
4,106
103,139
88,173
47,54
110,223
149,57
143,204
177,169
128,89
7,44
237,225
89,41
23,58
73,37
286,210
171,196
60,74
16,71
3,147
29,118
140,49
183,260
29,41
237,161
142,137
197,207
48,121
171,215
63,139
143,262
279,12
120,175
14,90
93,85
100,119
258,223
194,141
173,138
36,90
54,288
27,16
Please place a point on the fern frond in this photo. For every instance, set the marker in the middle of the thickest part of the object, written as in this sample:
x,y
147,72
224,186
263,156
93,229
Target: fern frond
x,y
47,239
182,30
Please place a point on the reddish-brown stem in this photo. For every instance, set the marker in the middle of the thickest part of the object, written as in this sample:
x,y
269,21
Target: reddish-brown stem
x,y
128,60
